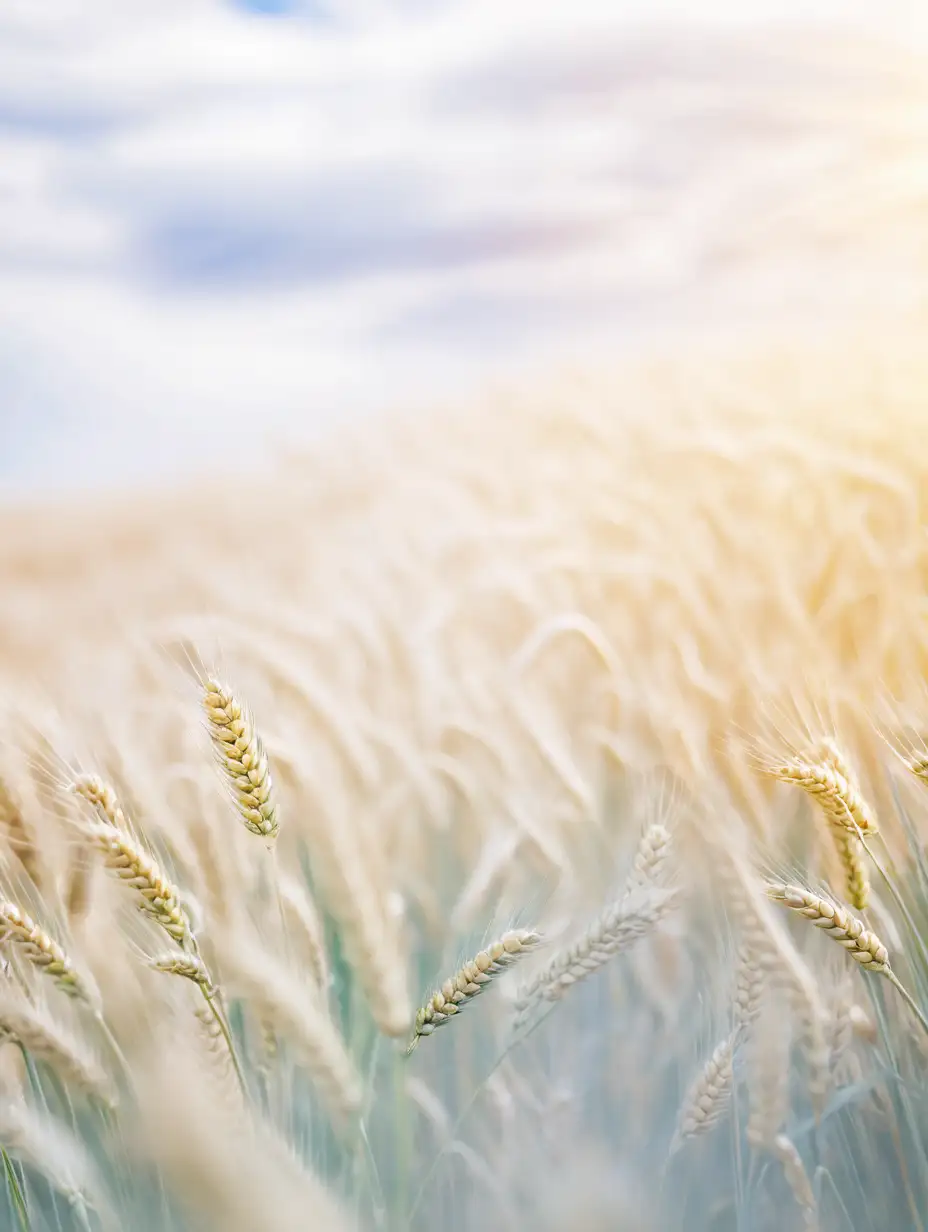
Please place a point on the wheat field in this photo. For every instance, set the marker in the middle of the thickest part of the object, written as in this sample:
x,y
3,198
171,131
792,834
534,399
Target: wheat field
x,y
568,699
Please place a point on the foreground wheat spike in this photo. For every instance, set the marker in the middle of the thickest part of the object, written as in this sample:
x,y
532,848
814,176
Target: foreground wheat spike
x,y
242,759
132,864
625,922
839,797
856,881
41,950
467,983
102,796
847,844
841,926
48,1041
188,966
128,859
708,1098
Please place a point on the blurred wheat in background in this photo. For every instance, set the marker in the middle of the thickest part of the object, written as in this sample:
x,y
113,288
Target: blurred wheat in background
x,y
567,694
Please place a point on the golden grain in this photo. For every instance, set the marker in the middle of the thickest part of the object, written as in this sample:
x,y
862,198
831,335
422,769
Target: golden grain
x,y
242,759
862,945
470,980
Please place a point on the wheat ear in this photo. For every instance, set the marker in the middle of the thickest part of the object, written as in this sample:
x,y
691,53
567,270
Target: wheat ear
x,y
41,950
128,859
856,881
839,797
847,843
708,1098
188,966
48,1041
470,980
797,1178
242,759
616,930
862,945
651,858
20,840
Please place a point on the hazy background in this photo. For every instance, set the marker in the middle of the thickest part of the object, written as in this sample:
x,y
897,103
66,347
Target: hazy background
x,y
223,223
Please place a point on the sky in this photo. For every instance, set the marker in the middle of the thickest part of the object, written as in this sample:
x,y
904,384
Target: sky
x,y
224,224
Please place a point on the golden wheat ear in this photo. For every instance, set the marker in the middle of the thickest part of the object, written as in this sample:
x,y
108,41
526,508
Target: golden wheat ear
x,y
129,861
41,950
467,983
861,944
242,759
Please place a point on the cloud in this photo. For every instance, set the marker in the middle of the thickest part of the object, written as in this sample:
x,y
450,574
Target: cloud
x,y
216,220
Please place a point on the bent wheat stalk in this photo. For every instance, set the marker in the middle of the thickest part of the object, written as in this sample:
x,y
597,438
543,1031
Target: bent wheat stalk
x,y
41,950
708,1098
160,898
468,982
861,944
838,796
616,930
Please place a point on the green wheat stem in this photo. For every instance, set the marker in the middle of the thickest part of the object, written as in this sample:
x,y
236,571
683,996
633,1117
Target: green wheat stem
x,y
907,997
226,1035
16,1192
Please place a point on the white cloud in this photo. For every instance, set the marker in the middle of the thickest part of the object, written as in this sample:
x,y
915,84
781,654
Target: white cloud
x,y
212,224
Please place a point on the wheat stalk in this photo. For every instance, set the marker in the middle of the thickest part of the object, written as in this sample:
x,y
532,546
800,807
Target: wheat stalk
x,y
847,842
862,945
797,1178
41,950
615,931
188,966
708,1098
137,869
102,796
242,759
128,859
651,858
856,880
470,980
839,797
48,1041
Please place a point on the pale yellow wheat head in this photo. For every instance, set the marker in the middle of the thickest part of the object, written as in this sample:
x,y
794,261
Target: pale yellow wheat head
x,y
242,759
462,988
